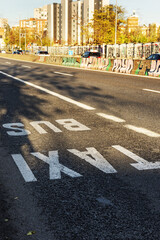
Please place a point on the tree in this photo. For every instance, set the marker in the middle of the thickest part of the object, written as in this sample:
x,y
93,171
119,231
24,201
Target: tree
x,y
136,36
11,36
87,33
152,33
103,24
158,34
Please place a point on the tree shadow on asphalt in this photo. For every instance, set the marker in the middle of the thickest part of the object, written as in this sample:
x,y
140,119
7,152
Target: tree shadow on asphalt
x,y
17,105
68,86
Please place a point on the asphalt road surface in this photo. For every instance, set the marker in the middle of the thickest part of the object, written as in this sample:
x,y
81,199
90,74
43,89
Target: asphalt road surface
x,y
79,154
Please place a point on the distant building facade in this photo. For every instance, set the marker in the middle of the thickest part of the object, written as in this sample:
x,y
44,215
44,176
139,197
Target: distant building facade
x,y
90,6
77,22
33,25
54,22
66,28
66,21
132,22
40,13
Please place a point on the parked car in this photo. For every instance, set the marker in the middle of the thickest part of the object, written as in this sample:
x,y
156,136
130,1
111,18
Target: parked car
x,y
28,51
42,53
21,51
3,51
91,54
18,52
155,56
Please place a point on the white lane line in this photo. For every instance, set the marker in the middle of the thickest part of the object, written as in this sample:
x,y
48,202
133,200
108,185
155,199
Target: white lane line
x,y
25,66
64,74
8,62
24,168
143,131
81,105
150,90
110,117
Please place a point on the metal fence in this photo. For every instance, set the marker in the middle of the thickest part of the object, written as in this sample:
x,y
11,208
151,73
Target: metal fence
x,y
133,51
75,50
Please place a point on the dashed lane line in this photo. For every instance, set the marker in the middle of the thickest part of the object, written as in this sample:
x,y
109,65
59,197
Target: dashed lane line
x,y
25,66
66,74
110,117
143,131
81,105
131,127
150,90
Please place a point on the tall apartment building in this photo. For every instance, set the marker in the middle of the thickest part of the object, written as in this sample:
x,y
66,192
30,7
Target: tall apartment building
x,y
54,22
40,13
101,3
66,28
76,22
90,6
66,21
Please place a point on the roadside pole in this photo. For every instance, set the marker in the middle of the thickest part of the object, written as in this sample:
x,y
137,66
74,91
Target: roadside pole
x,y
115,31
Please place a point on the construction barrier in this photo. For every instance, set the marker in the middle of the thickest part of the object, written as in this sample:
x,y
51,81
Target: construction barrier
x,y
128,66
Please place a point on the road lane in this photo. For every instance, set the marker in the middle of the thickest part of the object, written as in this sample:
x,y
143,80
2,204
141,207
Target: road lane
x,y
117,95
97,204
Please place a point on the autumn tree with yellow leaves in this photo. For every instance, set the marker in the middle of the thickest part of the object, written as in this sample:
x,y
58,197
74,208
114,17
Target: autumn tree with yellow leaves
x,y
102,27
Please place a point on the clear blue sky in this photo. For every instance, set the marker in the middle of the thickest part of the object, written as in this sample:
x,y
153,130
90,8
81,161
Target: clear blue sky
x,y
147,12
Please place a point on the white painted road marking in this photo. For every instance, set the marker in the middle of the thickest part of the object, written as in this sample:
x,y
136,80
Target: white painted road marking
x,y
141,164
66,74
91,156
110,117
69,124
23,168
143,131
55,168
84,106
72,125
150,90
40,130
25,66
8,62
97,160
17,127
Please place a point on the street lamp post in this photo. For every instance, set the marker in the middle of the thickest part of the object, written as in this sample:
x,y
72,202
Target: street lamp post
x,y
25,40
115,30
19,32
19,37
